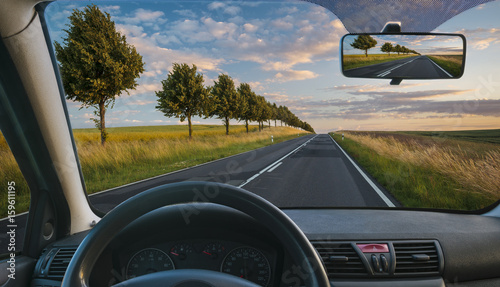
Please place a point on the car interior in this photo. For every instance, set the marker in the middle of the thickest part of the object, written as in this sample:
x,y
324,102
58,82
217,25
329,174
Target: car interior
x,y
196,233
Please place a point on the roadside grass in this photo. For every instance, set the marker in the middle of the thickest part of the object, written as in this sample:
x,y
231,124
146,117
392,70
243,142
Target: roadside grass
x,y
426,174
358,61
451,63
136,153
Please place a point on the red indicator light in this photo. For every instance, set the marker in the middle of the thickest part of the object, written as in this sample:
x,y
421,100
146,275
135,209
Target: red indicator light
x,y
373,248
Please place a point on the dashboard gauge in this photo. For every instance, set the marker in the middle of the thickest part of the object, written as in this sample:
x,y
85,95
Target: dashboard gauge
x,y
149,260
248,263
181,251
214,250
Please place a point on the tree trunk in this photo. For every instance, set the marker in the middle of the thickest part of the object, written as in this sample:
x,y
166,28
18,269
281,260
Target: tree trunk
x,y
246,125
269,121
226,121
366,52
190,128
102,122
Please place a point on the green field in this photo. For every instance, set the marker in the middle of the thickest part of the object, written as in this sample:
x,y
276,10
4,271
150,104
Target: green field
x,y
135,153
358,61
427,171
478,136
451,63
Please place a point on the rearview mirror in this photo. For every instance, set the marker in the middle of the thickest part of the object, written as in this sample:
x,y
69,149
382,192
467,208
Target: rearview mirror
x,y
403,56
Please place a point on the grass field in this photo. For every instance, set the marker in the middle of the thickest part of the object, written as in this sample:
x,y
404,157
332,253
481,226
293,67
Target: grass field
x,y
477,136
451,63
135,153
428,171
358,61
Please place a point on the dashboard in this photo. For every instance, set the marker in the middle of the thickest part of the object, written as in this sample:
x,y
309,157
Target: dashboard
x,y
161,241
421,248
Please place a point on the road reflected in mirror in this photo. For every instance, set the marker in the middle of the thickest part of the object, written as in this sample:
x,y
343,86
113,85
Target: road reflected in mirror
x,y
403,56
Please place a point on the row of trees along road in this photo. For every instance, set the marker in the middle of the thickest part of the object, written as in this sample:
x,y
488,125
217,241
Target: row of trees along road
x,y
366,42
97,65
183,95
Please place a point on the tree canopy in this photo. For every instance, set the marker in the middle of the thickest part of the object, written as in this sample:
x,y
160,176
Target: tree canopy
x,y
96,62
226,100
364,42
183,94
386,48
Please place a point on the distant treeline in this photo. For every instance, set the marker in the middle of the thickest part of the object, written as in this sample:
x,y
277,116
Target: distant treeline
x,y
184,95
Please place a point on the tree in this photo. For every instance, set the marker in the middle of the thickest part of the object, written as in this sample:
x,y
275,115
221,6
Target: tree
x,y
247,104
183,94
364,42
275,113
263,111
96,63
226,99
404,50
397,49
386,48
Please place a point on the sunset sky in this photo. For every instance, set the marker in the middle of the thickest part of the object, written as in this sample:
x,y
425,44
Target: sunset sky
x,y
289,53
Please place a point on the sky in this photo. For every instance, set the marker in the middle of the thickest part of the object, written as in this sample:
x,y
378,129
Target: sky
x,y
289,53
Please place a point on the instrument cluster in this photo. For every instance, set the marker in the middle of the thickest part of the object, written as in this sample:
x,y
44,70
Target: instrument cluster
x,y
252,263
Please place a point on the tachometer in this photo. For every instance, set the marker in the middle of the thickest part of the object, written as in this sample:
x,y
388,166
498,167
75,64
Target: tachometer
x,y
248,263
147,261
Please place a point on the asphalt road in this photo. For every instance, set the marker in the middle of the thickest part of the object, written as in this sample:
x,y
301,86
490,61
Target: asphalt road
x,y
310,171
414,67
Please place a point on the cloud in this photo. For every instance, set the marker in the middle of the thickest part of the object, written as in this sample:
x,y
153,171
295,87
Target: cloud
x,y
159,60
368,88
219,30
481,38
160,121
227,9
145,88
395,105
143,15
139,102
278,98
483,44
186,13
290,75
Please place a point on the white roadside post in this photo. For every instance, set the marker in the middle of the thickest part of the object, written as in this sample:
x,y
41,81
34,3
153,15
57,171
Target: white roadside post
x,y
272,139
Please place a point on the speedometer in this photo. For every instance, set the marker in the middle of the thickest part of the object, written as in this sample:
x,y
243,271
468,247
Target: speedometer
x,y
149,260
248,263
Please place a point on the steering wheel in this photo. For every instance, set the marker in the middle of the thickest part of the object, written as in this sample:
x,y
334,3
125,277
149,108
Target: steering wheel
x,y
300,249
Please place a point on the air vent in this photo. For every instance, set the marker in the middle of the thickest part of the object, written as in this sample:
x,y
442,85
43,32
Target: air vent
x,y
60,262
418,257
340,259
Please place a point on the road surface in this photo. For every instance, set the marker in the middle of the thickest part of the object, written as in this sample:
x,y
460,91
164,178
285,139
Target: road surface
x,y
310,171
420,67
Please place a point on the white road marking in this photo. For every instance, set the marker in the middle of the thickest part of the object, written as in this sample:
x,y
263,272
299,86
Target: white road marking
x,y
370,182
448,74
276,162
387,72
274,167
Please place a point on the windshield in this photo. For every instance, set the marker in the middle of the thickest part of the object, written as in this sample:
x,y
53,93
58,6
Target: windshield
x,y
267,89
287,54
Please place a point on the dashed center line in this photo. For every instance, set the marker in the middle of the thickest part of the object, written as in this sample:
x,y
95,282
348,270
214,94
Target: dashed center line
x,y
387,72
276,163
274,167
